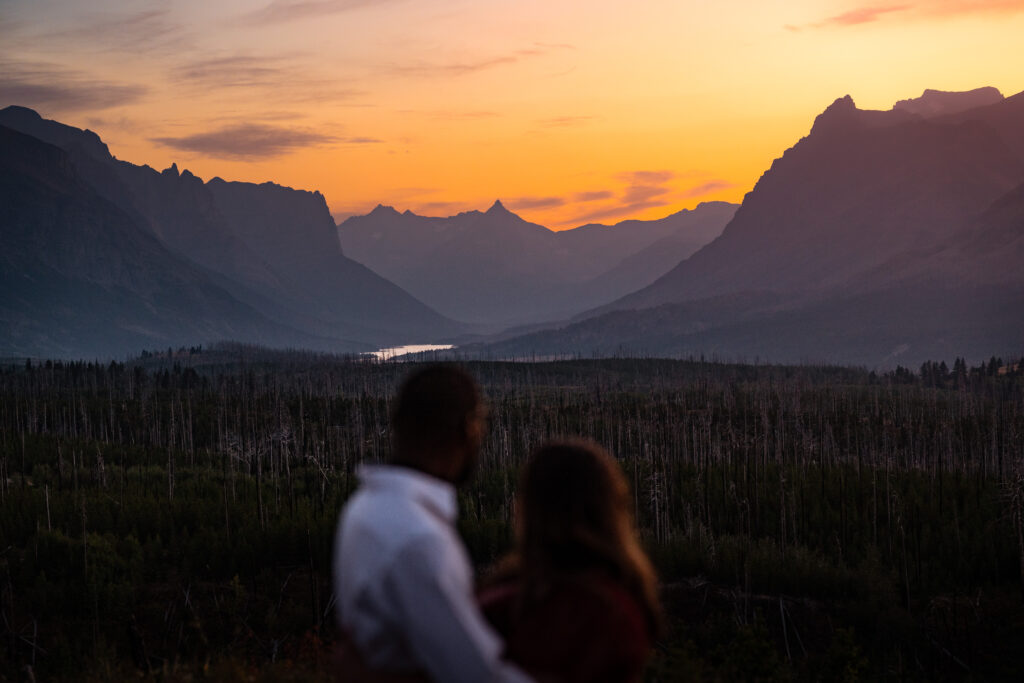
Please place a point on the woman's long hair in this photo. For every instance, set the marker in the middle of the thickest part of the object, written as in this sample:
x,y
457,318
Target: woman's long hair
x,y
574,517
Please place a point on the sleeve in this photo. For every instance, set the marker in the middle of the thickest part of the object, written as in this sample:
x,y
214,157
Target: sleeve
x,y
445,629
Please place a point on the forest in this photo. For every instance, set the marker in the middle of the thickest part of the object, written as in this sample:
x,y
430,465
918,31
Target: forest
x,y
171,517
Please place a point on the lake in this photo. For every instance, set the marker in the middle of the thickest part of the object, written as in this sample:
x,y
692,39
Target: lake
x,y
395,351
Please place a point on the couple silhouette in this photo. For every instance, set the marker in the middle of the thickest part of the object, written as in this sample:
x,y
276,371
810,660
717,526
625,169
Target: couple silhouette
x,y
575,600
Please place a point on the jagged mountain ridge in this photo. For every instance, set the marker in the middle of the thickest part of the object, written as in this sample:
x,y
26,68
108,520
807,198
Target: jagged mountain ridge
x,y
523,272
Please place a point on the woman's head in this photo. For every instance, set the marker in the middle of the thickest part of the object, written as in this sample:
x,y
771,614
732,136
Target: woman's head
x,y
574,515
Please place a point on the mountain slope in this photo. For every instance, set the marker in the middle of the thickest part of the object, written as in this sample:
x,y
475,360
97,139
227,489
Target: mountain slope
x,y
81,277
229,229
861,188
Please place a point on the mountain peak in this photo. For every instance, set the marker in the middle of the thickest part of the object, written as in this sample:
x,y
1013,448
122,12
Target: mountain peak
x,y
939,102
838,115
381,210
497,207
24,112
171,170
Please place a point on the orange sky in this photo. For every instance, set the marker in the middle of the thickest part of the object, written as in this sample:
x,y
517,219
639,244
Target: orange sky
x,y
568,111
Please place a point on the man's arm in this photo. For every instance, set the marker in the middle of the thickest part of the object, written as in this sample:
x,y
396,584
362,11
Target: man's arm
x,y
441,620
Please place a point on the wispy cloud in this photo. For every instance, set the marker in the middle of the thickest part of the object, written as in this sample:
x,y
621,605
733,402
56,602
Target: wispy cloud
x,y
955,7
264,77
566,121
526,203
469,65
457,68
146,31
706,188
593,196
442,114
253,141
59,89
853,17
866,14
644,187
281,11
440,208
643,190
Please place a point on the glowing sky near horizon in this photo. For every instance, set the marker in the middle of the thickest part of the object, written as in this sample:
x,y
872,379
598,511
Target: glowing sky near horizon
x,y
569,111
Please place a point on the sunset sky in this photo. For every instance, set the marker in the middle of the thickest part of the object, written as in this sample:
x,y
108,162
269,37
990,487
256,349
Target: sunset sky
x,y
570,112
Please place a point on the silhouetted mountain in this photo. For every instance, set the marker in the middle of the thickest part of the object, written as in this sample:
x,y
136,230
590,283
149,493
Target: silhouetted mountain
x,y
988,252
1004,117
881,237
863,187
81,277
521,271
271,247
938,102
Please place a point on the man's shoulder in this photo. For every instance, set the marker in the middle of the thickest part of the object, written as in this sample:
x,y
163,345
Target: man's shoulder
x,y
393,520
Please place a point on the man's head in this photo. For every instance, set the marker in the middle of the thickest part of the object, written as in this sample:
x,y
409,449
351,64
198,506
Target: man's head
x,y
438,422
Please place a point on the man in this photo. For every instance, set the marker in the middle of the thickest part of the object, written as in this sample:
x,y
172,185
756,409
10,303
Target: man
x,y
403,579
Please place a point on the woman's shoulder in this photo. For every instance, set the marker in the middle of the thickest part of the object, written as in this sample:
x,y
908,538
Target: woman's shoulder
x,y
582,628
583,602
612,599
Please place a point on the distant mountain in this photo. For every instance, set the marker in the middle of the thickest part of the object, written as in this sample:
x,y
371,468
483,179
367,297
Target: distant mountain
x,y
494,267
273,248
82,278
938,102
881,237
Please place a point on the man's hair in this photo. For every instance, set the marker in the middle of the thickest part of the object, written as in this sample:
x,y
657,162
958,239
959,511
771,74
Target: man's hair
x,y
432,407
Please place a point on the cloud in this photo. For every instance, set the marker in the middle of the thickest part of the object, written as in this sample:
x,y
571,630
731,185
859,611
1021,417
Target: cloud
x,y
251,141
56,88
461,67
643,190
615,211
263,77
959,7
452,113
525,203
566,121
921,10
148,31
281,11
706,188
592,196
645,186
439,208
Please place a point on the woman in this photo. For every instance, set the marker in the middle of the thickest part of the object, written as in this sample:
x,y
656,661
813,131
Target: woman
x,y
577,600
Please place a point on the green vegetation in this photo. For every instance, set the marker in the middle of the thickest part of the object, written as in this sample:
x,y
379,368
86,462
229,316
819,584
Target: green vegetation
x,y
174,516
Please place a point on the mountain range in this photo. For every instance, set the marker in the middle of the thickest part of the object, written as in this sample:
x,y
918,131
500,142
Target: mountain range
x,y
881,237
494,268
269,253
205,261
